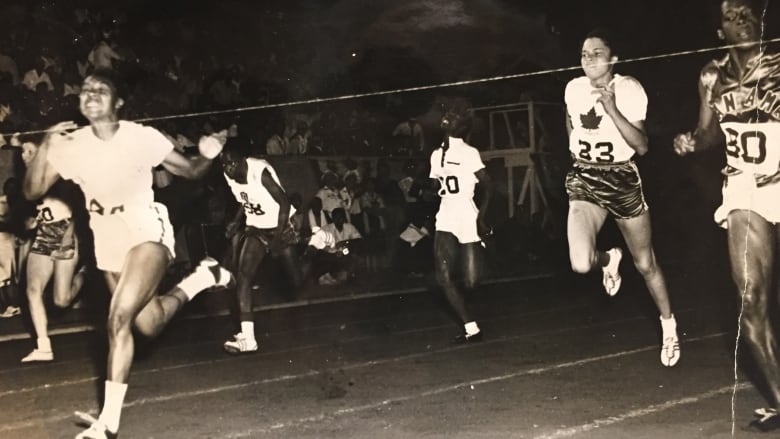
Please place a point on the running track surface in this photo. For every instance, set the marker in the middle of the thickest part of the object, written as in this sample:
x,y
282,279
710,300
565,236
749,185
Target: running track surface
x,y
560,360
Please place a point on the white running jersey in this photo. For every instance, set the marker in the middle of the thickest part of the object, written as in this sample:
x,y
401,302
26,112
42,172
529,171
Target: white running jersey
x,y
51,209
748,107
116,174
595,137
456,172
261,210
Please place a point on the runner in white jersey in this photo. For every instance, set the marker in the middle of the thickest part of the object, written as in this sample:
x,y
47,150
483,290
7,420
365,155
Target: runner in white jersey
x,y
53,254
112,161
262,225
456,168
605,121
740,107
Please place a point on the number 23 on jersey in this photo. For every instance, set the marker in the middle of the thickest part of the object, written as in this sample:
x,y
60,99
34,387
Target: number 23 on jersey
x,y
599,152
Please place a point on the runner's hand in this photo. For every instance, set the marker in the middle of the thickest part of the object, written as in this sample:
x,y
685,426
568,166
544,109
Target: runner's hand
x,y
684,143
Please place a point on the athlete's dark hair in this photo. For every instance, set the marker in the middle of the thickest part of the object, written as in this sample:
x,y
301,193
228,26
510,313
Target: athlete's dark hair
x,y
235,147
609,38
111,79
757,6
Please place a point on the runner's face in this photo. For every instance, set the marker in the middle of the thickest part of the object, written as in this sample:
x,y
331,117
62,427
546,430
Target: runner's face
x,y
97,100
234,166
739,22
596,58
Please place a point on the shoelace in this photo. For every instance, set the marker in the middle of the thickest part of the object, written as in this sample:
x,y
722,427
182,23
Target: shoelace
x,y
671,343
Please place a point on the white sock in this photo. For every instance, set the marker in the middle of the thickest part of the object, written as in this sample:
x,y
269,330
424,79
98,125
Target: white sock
x,y
669,326
199,280
44,344
248,329
112,406
471,328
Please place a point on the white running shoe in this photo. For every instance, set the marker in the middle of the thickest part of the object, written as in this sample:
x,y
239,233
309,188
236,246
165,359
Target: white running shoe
x,y
241,344
670,347
321,239
96,429
611,277
11,311
38,355
670,351
222,277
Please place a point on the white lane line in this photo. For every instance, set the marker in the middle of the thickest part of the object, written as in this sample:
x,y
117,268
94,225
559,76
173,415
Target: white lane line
x,y
351,410
284,305
649,410
227,358
440,390
57,331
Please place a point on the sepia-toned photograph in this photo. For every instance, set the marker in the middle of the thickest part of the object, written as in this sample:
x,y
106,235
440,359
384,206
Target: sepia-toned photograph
x,y
341,219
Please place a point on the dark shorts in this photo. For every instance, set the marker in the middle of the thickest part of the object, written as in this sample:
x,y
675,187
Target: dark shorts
x,y
48,240
615,187
288,238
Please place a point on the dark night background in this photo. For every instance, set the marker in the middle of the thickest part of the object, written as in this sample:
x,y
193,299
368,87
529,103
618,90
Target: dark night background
x,y
290,50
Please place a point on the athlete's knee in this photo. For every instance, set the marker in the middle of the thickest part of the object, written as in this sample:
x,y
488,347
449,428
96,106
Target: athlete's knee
x,y
755,303
34,291
646,265
62,299
119,322
582,262
443,278
471,279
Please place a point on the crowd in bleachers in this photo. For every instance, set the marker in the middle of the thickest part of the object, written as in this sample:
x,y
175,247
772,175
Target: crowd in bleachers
x,y
47,51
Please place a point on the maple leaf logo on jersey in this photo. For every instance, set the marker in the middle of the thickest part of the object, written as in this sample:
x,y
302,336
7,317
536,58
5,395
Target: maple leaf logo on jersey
x,y
590,120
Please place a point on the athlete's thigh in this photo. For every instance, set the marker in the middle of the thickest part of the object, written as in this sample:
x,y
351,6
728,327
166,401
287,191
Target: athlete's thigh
x,y
63,277
143,269
39,271
471,261
446,249
251,253
585,219
752,245
638,234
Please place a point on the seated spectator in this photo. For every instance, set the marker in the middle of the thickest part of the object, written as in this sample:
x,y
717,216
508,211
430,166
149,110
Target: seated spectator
x,y
355,190
37,75
315,216
9,305
374,226
339,260
405,184
297,142
17,228
103,55
333,194
409,138
276,145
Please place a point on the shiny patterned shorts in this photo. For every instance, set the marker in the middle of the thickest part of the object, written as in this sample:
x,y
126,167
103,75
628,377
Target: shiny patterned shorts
x,y
615,187
48,240
265,236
